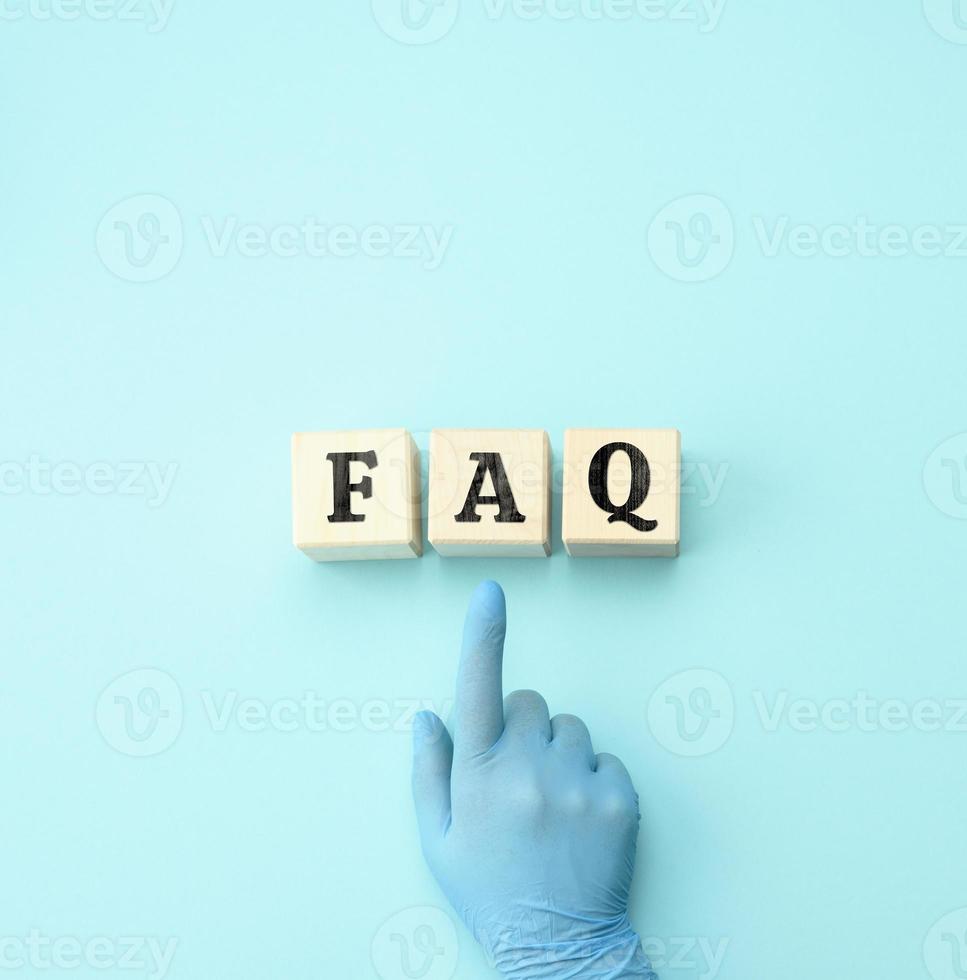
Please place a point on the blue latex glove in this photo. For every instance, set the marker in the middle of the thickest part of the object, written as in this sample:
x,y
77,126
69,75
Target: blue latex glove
x,y
531,835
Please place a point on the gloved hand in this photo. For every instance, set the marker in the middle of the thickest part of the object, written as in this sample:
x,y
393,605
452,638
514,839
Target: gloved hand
x,y
530,834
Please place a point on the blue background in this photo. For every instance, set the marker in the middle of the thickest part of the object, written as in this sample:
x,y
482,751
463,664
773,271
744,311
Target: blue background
x,y
821,385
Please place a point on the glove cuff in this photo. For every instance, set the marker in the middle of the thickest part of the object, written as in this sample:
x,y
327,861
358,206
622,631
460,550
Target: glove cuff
x,y
618,956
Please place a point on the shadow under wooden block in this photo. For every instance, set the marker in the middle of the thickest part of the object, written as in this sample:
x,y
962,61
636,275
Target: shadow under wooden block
x,y
490,493
356,495
621,493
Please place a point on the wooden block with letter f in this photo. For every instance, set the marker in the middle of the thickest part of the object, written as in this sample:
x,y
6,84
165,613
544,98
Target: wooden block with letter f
x,y
356,495
621,492
490,493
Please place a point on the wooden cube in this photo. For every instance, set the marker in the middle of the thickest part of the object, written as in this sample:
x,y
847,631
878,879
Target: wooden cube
x,y
356,495
490,493
621,492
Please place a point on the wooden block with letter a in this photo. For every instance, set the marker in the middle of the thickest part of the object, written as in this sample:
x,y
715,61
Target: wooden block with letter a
x,y
356,495
621,492
490,493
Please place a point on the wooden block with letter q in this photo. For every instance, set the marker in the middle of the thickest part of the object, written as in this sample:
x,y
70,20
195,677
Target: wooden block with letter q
x,y
490,493
621,492
356,495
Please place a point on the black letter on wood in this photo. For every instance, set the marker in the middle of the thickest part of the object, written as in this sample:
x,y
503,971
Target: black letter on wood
x,y
342,511
640,484
503,495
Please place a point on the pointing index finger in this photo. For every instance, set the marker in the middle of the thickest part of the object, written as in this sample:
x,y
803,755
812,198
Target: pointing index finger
x,y
479,707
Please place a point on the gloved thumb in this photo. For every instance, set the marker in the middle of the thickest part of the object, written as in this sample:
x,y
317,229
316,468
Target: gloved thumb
x,y
432,759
